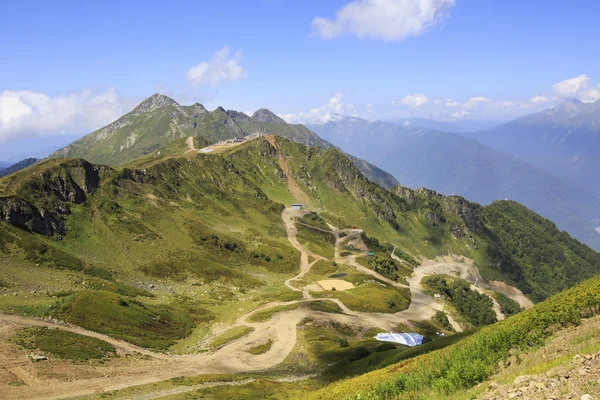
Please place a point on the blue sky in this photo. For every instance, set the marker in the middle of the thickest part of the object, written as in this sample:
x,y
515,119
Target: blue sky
x,y
72,66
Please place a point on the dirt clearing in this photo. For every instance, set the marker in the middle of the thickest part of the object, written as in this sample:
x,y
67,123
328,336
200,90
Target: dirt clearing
x,y
335,284
512,292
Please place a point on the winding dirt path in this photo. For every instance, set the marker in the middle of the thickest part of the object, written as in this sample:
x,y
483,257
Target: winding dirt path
x,y
293,187
190,144
150,367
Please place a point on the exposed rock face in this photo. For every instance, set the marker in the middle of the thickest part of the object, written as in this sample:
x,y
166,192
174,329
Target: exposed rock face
x,y
23,215
266,116
154,102
41,200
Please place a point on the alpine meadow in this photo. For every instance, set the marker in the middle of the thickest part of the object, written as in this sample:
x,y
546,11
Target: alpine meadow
x,y
430,231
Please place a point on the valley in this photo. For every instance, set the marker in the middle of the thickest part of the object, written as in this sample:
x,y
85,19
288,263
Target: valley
x,y
279,200
232,357
245,335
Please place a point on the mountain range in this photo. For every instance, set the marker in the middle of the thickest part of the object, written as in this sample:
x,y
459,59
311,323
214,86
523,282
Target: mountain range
x,y
452,164
176,259
160,120
564,140
18,166
458,126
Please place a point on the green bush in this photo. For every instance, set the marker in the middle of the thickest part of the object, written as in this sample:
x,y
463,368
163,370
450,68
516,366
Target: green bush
x,y
127,319
63,344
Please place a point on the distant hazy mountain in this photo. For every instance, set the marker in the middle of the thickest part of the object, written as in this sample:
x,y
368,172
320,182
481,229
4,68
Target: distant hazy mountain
x,y
18,166
453,164
4,164
462,126
564,140
33,147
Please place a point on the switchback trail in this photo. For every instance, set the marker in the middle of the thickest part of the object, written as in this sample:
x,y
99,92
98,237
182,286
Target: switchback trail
x,y
280,329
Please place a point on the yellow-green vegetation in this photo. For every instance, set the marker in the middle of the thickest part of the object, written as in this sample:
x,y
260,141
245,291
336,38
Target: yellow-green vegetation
x,y
384,354
316,240
155,326
368,295
132,243
373,297
325,306
230,335
264,315
63,344
461,366
261,388
261,348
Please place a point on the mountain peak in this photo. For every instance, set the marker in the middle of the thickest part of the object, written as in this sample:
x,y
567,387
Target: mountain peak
x,y
154,102
267,116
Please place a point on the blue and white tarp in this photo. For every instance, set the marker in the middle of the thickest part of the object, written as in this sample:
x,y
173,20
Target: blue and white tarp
x,y
407,339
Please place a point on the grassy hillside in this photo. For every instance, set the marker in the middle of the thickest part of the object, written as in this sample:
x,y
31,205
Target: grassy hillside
x,y
9,169
173,252
201,220
159,125
456,368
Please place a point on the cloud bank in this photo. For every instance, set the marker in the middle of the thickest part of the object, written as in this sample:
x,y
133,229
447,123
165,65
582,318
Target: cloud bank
x,y
26,113
219,69
389,20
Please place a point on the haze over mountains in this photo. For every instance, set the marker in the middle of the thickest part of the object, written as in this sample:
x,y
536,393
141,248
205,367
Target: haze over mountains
x,y
190,252
453,164
458,126
564,140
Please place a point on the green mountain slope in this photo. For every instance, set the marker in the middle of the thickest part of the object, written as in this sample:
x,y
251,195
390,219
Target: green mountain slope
x,y
66,199
159,121
452,164
194,254
450,372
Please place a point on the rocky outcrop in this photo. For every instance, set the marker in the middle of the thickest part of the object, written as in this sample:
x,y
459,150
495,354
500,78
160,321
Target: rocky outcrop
x,y
42,200
154,102
24,215
268,117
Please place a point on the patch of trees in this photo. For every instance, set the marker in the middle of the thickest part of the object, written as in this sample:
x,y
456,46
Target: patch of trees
x,y
475,307
507,305
529,249
384,267
441,318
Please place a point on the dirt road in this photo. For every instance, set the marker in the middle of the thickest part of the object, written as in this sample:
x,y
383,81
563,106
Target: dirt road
x,y
149,367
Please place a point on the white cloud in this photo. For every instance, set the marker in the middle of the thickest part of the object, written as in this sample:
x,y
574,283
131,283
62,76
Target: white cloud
x,y
413,100
26,113
578,88
460,114
330,111
370,108
390,20
539,99
475,101
406,123
447,102
571,87
221,68
592,94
